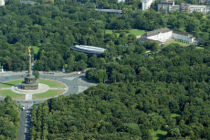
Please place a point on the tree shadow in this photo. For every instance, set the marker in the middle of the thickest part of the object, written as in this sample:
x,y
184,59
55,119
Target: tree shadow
x,y
86,80
7,84
161,137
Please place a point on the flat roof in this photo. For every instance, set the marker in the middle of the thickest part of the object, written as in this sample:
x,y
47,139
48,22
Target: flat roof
x,y
88,49
110,10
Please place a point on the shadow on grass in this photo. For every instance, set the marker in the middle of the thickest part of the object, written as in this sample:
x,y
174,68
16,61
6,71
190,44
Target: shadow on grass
x,y
7,84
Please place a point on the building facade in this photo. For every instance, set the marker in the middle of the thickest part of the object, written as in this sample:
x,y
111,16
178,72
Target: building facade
x,y
204,1
2,2
199,8
146,4
184,37
119,1
163,35
1,69
165,6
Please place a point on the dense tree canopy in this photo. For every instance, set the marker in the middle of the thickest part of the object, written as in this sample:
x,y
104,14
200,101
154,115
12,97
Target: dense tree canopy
x,y
138,94
168,91
54,28
9,119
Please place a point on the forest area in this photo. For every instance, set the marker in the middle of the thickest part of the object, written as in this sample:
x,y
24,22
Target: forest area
x,y
52,29
9,119
165,95
168,92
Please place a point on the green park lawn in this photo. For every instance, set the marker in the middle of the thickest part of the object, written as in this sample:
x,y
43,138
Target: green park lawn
x,y
36,49
135,32
174,115
47,94
200,48
10,83
51,83
161,134
108,31
12,94
177,42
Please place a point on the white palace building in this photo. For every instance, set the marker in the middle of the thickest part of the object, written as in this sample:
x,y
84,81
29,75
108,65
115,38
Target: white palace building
x,y
165,34
2,2
146,4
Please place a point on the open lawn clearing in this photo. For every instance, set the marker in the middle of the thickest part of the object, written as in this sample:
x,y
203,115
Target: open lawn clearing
x,y
135,32
10,83
12,94
48,94
51,83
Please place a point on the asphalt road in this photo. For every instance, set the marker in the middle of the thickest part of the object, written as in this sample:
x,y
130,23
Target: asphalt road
x,y
25,123
22,127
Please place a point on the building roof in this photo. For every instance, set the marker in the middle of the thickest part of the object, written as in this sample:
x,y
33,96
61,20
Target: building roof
x,y
198,6
2,2
146,39
183,33
28,2
88,49
110,11
167,2
155,32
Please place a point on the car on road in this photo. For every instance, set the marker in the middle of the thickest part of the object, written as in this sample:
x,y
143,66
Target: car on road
x,y
23,108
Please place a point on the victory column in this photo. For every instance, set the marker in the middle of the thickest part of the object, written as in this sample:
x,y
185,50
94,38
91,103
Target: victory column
x,y
30,80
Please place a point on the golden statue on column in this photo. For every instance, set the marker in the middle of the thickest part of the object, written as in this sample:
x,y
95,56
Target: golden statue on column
x,y
30,80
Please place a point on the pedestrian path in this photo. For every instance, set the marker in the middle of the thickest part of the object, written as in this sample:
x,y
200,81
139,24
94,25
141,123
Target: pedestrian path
x,y
28,97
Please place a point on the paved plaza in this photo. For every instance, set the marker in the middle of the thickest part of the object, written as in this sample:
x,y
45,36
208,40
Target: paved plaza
x,y
41,88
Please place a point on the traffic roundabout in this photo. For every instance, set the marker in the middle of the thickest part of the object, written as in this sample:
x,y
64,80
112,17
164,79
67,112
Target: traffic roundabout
x,y
46,89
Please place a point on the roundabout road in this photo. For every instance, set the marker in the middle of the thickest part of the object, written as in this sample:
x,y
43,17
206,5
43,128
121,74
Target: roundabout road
x,y
75,82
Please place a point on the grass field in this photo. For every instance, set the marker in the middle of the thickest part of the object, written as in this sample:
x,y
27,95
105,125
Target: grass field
x,y
200,48
158,135
49,93
108,32
51,83
36,49
177,42
5,93
135,32
174,115
10,83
